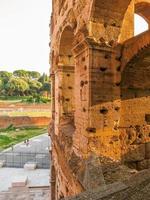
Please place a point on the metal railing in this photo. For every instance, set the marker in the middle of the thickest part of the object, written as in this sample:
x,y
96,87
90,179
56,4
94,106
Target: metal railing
x,y
19,159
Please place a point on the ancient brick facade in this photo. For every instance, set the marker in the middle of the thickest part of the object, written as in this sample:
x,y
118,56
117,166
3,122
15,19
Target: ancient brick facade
x,y
100,89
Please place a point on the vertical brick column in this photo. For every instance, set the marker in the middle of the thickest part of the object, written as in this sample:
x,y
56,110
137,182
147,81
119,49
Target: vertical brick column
x,y
97,99
64,93
53,95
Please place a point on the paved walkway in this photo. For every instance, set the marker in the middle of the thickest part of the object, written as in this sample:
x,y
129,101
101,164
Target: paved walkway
x,y
25,193
39,144
38,177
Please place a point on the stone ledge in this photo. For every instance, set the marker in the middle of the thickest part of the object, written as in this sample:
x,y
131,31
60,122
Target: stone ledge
x,y
20,181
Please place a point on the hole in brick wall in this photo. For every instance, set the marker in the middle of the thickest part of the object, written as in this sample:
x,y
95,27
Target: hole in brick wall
x,y
83,59
117,108
85,67
118,58
107,56
104,111
68,75
119,68
149,134
114,24
140,136
147,119
118,84
86,82
60,87
102,40
70,88
67,99
82,83
103,68
129,136
84,110
105,25
91,130
67,190
111,43
61,196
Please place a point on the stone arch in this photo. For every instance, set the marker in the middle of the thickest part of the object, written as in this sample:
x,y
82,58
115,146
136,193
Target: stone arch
x,y
135,109
136,75
64,76
108,17
142,8
133,47
66,45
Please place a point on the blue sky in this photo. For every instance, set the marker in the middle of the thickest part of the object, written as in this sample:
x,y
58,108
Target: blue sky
x,y
24,34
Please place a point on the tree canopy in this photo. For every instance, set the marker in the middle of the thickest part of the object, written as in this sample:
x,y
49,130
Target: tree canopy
x,y
23,83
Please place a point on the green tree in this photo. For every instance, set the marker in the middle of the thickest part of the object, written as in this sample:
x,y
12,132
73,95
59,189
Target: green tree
x,y
34,86
5,76
34,74
46,87
16,86
43,78
20,73
1,86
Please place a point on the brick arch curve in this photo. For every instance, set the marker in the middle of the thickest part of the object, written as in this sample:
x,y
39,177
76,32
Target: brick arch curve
x,y
133,47
108,17
135,101
66,39
65,44
140,61
142,8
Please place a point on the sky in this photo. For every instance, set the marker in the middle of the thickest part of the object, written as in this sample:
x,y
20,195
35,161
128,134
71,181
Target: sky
x,y
24,34
140,24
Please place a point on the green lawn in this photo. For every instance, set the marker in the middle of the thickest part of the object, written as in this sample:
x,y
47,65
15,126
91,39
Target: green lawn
x,y
13,99
12,137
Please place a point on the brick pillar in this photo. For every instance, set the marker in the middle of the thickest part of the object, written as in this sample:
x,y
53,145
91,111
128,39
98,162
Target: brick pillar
x,y
64,93
97,100
53,95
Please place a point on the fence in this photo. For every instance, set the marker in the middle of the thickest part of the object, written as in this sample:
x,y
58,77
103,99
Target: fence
x,y
19,159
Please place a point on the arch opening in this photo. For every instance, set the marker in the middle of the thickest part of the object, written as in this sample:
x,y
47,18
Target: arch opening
x,y
135,101
65,47
141,17
140,25
65,75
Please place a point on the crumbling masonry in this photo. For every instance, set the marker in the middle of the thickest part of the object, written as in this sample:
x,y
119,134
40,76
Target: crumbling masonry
x,y
100,92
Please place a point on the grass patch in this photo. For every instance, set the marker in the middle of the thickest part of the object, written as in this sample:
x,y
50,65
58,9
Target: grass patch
x,y
12,99
24,99
12,137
